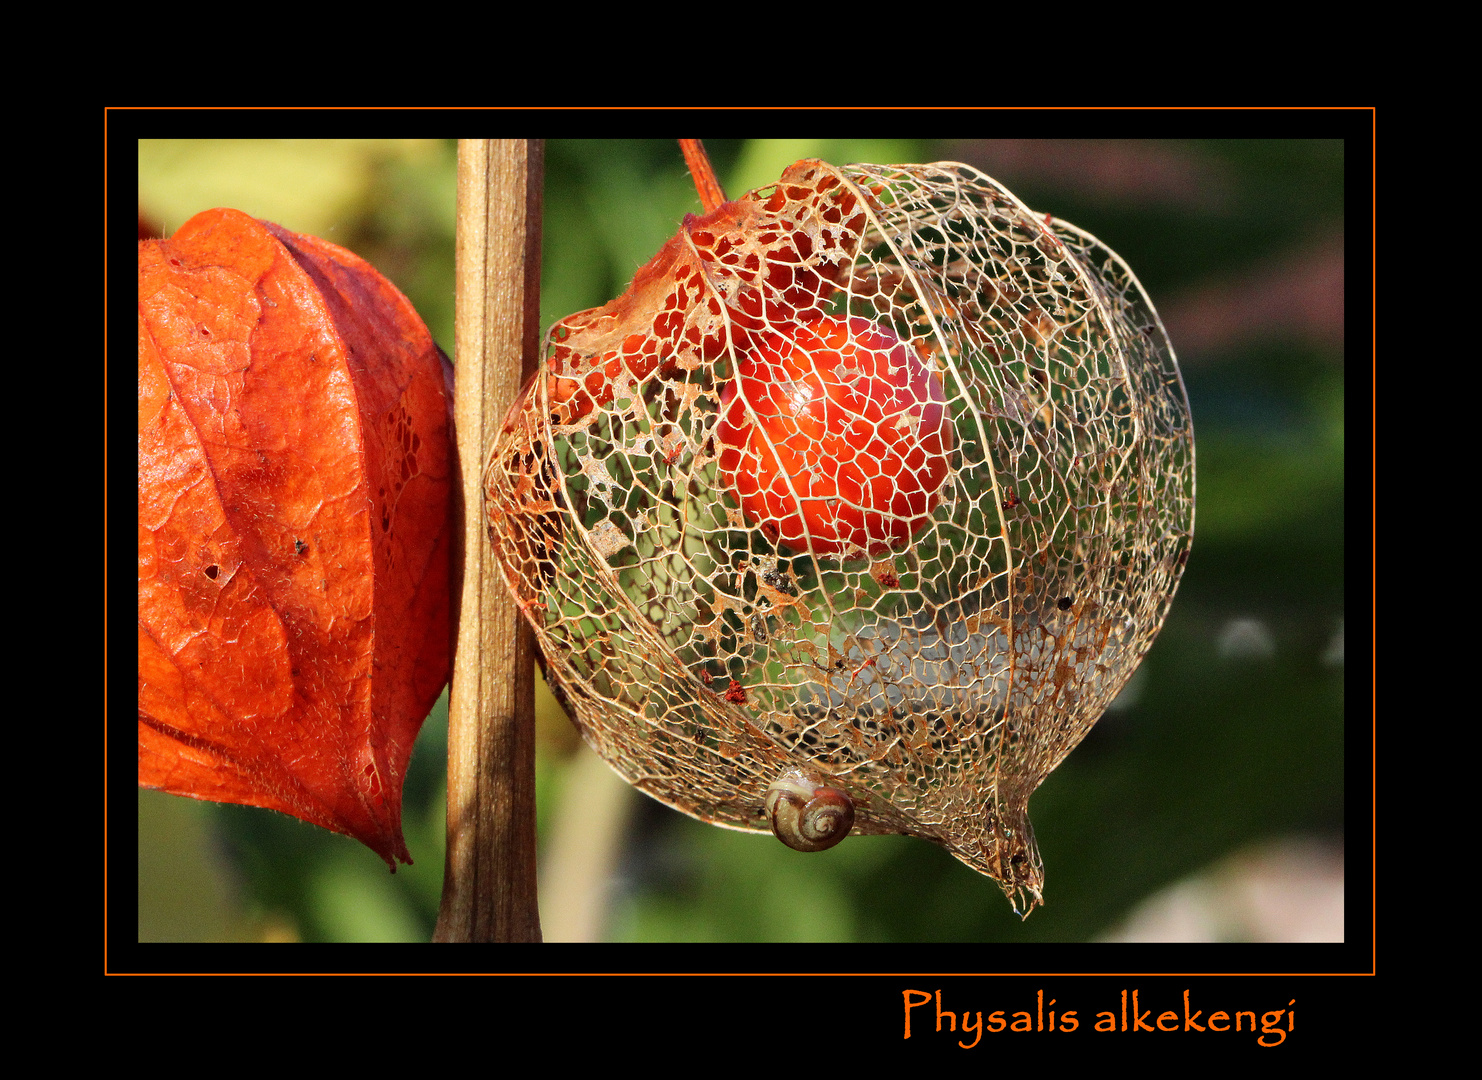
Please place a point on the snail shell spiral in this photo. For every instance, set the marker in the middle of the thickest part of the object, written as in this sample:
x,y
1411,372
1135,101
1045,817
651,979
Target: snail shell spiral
x,y
806,814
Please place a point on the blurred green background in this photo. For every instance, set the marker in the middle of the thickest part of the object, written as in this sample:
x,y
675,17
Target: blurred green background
x,y
1206,805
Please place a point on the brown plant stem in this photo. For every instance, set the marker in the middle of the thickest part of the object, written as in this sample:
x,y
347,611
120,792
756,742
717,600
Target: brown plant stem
x,y
712,195
489,891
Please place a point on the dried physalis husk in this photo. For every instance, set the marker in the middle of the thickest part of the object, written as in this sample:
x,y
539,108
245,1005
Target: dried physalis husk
x,y
873,489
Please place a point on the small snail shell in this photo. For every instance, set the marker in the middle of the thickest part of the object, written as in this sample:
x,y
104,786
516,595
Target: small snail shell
x,y
806,814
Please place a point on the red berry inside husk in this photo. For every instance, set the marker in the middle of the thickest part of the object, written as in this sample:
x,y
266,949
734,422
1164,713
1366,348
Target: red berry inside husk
x,y
835,437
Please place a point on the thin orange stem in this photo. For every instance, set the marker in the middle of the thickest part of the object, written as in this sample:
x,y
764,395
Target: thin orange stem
x,y
711,193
